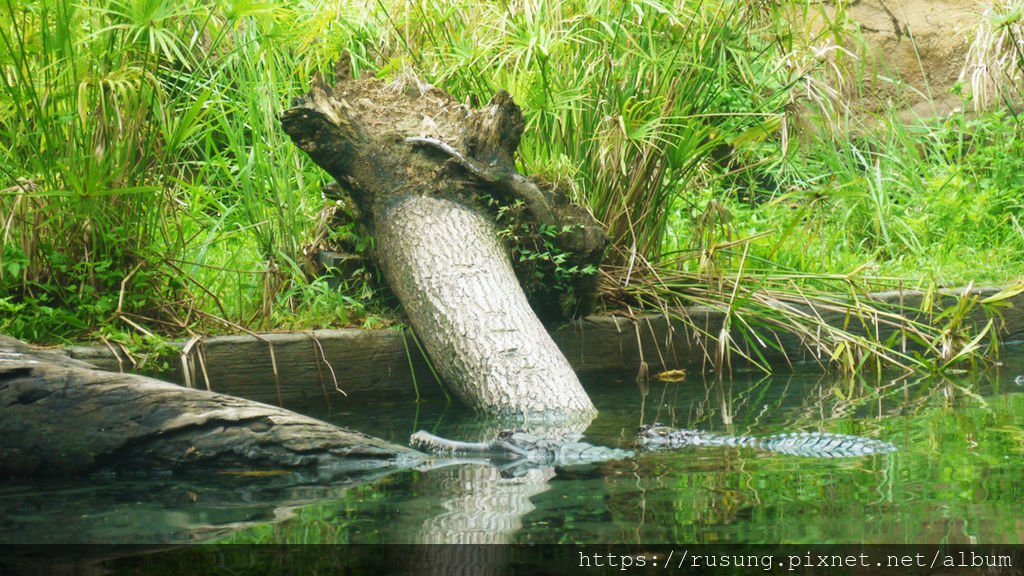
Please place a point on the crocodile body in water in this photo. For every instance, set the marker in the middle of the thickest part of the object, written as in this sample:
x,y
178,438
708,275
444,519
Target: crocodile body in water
x,y
518,449
810,444
515,450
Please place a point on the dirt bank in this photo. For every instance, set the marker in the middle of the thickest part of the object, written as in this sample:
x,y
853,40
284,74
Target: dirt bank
x,y
909,53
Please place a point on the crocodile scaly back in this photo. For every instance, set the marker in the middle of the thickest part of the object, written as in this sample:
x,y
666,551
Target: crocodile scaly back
x,y
809,444
824,445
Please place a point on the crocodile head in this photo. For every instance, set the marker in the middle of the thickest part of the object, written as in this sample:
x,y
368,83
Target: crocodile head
x,y
659,435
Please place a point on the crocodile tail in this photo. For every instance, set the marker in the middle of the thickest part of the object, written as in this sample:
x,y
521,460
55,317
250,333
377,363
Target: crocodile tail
x,y
824,445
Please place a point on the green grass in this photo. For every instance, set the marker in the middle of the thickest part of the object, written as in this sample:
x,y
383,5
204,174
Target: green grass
x,y
147,191
152,190
936,204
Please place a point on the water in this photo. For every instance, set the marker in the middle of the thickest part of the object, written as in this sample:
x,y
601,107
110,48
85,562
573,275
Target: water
x,y
958,477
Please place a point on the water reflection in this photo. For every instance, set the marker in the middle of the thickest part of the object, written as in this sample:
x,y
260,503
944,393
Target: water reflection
x,y
162,509
958,477
480,505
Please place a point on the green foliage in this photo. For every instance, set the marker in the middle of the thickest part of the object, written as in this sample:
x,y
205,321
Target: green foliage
x,y
146,188
625,100
554,280
137,137
935,203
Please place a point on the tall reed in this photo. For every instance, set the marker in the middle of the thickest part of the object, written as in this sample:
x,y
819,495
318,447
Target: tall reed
x,y
146,188
626,100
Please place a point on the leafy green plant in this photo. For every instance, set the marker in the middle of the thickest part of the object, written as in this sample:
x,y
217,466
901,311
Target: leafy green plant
x,y
136,137
558,283
148,190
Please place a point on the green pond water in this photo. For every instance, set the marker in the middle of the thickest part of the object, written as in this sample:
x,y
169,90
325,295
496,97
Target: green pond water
x,y
958,476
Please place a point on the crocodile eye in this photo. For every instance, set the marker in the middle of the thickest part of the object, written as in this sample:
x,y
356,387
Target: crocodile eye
x,y
505,434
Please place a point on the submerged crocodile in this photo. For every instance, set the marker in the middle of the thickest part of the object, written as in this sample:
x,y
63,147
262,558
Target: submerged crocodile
x,y
514,450
517,449
810,444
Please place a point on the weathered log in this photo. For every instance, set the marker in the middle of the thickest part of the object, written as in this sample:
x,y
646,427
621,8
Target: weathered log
x,y
470,313
421,169
63,417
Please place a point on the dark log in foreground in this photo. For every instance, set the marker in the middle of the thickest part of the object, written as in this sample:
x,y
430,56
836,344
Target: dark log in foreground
x,y
421,170
64,417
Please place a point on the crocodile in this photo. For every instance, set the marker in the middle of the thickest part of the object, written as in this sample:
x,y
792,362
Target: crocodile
x,y
810,444
515,450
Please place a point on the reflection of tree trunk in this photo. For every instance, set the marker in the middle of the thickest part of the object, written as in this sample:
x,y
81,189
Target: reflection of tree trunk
x,y
481,504
480,507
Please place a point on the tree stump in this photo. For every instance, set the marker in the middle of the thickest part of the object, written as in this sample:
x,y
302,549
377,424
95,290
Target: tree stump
x,y
427,177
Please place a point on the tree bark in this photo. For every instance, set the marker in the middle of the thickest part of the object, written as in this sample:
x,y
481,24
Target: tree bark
x,y
421,171
61,417
457,286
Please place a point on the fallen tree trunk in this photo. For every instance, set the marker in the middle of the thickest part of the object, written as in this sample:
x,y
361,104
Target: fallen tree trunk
x,y
457,286
63,417
428,177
